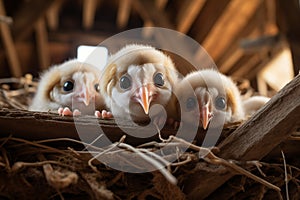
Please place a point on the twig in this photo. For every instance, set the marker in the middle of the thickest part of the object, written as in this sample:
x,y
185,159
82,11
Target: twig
x,y
35,144
95,140
103,152
69,140
156,164
189,159
208,156
285,177
6,161
18,165
165,162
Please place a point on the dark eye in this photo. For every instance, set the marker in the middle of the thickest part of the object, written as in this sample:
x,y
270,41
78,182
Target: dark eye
x,y
97,87
159,79
191,103
125,82
68,86
220,103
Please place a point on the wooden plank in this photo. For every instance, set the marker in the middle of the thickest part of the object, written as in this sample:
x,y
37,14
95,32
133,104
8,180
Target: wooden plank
x,y
123,13
42,43
43,125
29,13
188,13
254,139
241,11
288,17
88,13
9,45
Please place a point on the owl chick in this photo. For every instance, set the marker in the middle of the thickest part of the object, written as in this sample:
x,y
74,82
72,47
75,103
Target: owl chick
x,y
253,104
208,97
70,88
136,78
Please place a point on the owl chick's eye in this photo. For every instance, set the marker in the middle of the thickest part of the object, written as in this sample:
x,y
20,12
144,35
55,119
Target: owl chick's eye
x,y
220,103
97,87
68,86
159,79
191,103
125,82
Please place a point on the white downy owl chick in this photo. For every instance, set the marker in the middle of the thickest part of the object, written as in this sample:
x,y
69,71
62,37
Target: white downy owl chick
x,y
70,88
209,97
136,78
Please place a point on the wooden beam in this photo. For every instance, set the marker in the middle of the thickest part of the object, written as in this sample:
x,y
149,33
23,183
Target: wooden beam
x,y
161,4
205,21
241,11
42,43
9,45
53,14
188,13
234,52
150,13
249,68
123,13
288,17
254,139
88,13
29,13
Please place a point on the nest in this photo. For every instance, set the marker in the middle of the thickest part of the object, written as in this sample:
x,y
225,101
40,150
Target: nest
x,y
62,168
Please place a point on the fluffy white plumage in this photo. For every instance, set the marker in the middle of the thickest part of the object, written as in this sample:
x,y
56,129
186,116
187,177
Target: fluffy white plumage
x,y
209,97
253,104
136,78
72,84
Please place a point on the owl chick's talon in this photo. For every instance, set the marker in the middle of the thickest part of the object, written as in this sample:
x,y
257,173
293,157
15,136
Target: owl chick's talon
x,y
66,112
104,114
76,112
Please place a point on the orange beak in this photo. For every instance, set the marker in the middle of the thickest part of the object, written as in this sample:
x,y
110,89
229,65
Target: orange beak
x,y
144,98
205,113
205,116
84,96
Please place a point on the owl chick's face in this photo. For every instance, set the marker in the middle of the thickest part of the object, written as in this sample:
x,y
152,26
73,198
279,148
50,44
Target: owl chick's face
x,y
140,87
204,106
78,90
207,97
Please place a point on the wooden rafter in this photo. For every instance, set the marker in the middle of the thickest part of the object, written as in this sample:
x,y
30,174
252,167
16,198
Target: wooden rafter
x,y
9,45
234,52
161,4
123,13
241,11
202,25
29,13
88,14
42,43
288,16
53,14
188,14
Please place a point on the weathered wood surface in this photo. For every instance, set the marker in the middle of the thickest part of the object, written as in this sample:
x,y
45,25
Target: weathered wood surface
x,y
253,140
44,125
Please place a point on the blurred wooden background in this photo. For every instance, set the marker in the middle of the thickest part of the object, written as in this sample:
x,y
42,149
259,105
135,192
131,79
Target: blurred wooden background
x,y
258,40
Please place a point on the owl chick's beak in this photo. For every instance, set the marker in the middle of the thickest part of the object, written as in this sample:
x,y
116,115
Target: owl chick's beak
x,y
144,97
84,96
205,110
